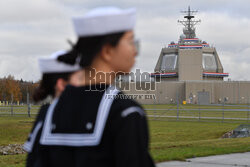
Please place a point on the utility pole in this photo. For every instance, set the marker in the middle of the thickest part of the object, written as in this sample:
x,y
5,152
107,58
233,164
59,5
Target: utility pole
x,y
177,101
28,101
12,113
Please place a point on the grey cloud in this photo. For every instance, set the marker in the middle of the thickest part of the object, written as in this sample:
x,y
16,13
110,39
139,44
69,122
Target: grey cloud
x,y
42,37
29,29
25,68
28,10
166,7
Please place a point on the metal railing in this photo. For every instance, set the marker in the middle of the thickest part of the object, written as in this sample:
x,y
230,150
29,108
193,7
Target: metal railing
x,y
19,110
222,113
218,112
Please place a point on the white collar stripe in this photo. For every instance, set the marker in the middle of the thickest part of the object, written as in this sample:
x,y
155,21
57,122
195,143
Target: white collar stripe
x,y
131,110
48,138
28,146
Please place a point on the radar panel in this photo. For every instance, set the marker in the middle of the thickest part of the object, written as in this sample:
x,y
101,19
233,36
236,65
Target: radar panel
x,y
209,62
168,62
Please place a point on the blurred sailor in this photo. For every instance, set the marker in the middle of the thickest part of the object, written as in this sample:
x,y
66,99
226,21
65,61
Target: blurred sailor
x,y
93,125
55,76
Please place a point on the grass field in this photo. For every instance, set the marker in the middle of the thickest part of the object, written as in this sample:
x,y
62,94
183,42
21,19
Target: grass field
x,y
170,140
14,130
181,140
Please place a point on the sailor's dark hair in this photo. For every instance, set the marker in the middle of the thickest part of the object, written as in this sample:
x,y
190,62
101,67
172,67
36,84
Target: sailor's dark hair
x,y
87,48
47,85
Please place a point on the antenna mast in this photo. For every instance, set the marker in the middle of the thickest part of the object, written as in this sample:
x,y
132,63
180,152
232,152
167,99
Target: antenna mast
x,y
189,29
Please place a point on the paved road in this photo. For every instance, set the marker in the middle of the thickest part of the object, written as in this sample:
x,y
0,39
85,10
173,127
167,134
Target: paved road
x,y
238,159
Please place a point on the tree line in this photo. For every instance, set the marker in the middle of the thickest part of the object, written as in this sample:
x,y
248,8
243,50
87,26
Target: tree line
x,y
16,91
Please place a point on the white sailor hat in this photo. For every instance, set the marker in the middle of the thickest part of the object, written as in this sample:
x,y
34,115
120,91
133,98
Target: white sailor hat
x,y
104,20
52,65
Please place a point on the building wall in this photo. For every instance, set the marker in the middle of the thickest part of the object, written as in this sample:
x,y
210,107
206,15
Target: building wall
x,y
170,90
166,79
192,89
213,78
190,64
233,92
165,92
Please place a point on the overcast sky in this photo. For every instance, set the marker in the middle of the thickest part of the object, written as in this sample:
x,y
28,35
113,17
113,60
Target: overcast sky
x,y
33,28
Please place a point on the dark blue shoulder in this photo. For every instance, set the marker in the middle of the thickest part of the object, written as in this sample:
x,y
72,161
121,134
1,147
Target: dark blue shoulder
x,y
42,112
124,102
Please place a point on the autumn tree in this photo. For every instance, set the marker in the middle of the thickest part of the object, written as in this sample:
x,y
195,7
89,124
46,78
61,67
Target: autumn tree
x,y
27,88
2,89
12,89
16,90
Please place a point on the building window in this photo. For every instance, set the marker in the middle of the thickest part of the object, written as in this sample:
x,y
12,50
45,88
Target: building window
x,y
168,62
209,62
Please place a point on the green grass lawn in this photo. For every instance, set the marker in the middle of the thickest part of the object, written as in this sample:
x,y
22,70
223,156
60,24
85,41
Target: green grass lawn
x,y
170,140
12,160
14,129
181,140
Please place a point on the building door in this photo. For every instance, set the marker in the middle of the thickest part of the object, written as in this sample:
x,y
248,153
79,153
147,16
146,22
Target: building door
x,y
203,98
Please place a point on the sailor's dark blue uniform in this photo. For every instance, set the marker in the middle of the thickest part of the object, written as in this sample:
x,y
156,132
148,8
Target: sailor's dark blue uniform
x,y
90,128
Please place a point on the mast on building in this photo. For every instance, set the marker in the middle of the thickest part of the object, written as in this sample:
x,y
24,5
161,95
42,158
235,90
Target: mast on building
x,y
190,59
189,24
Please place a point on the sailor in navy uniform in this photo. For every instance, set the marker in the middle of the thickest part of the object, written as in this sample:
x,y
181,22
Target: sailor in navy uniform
x,y
94,125
56,75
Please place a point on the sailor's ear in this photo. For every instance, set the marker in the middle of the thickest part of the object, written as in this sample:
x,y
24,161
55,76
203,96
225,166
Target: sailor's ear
x,y
107,52
60,85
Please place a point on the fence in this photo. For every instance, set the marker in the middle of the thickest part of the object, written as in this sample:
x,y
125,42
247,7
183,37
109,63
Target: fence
x,y
179,112
222,113
21,110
